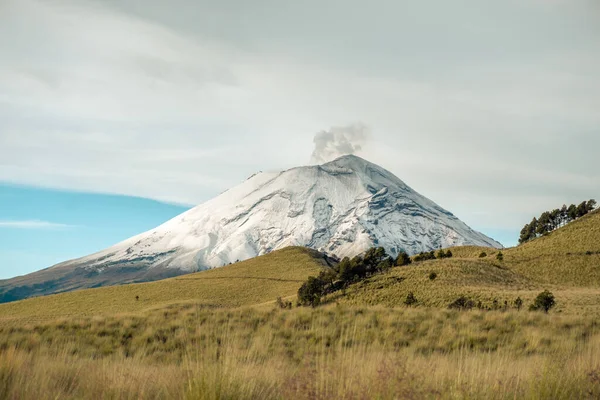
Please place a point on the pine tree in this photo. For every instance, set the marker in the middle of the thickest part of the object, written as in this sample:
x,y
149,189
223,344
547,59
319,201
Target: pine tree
x,y
591,205
403,259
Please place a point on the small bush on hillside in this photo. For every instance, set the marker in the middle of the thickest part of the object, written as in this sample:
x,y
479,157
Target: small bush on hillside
x,y
432,276
543,302
410,299
518,303
403,259
500,256
462,303
482,254
283,304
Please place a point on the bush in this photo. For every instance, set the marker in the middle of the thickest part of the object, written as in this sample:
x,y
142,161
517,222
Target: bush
x,y
543,302
311,291
462,303
500,257
283,304
432,276
482,254
403,259
495,304
425,256
410,299
518,303
444,254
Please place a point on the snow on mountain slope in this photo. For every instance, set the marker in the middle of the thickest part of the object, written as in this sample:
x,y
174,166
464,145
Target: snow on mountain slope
x,y
342,208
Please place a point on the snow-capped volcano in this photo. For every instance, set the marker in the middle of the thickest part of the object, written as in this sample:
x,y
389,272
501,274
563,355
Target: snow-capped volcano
x,y
342,207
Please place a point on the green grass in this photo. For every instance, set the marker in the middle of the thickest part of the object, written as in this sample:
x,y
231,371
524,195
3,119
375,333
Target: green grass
x,y
255,281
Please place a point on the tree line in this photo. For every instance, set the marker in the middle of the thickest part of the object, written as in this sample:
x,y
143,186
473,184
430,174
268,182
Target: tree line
x,y
552,220
375,261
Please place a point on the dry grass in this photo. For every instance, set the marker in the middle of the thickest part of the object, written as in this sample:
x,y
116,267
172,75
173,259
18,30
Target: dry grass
x,y
568,256
479,280
255,281
560,262
192,352
187,337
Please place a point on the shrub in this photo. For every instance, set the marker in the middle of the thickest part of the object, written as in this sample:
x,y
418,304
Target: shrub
x,y
403,259
543,302
500,256
495,305
385,265
425,256
410,299
311,291
518,303
283,304
482,254
444,254
432,276
462,303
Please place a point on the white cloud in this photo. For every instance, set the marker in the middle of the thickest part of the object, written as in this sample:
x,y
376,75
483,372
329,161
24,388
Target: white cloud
x,y
34,224
487,108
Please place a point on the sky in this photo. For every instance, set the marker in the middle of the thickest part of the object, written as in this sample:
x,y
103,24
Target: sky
x,y
488,108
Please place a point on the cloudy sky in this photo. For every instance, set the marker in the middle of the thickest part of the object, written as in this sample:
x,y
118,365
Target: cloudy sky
x,y
490,108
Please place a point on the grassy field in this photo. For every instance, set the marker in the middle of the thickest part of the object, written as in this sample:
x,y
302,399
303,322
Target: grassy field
x,y
189,351
255,281
219,334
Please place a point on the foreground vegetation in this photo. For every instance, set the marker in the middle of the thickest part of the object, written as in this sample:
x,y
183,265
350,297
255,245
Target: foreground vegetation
x,y
190,351
384,328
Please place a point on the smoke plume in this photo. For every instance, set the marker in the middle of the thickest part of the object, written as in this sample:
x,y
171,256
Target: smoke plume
x,y
339,141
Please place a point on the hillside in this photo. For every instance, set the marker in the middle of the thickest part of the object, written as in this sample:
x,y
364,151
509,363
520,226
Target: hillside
x,y
254,281
558,262
569,256
566,261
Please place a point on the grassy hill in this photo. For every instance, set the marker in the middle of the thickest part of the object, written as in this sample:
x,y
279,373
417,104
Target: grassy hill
x,y
567,262
567,256
254,281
